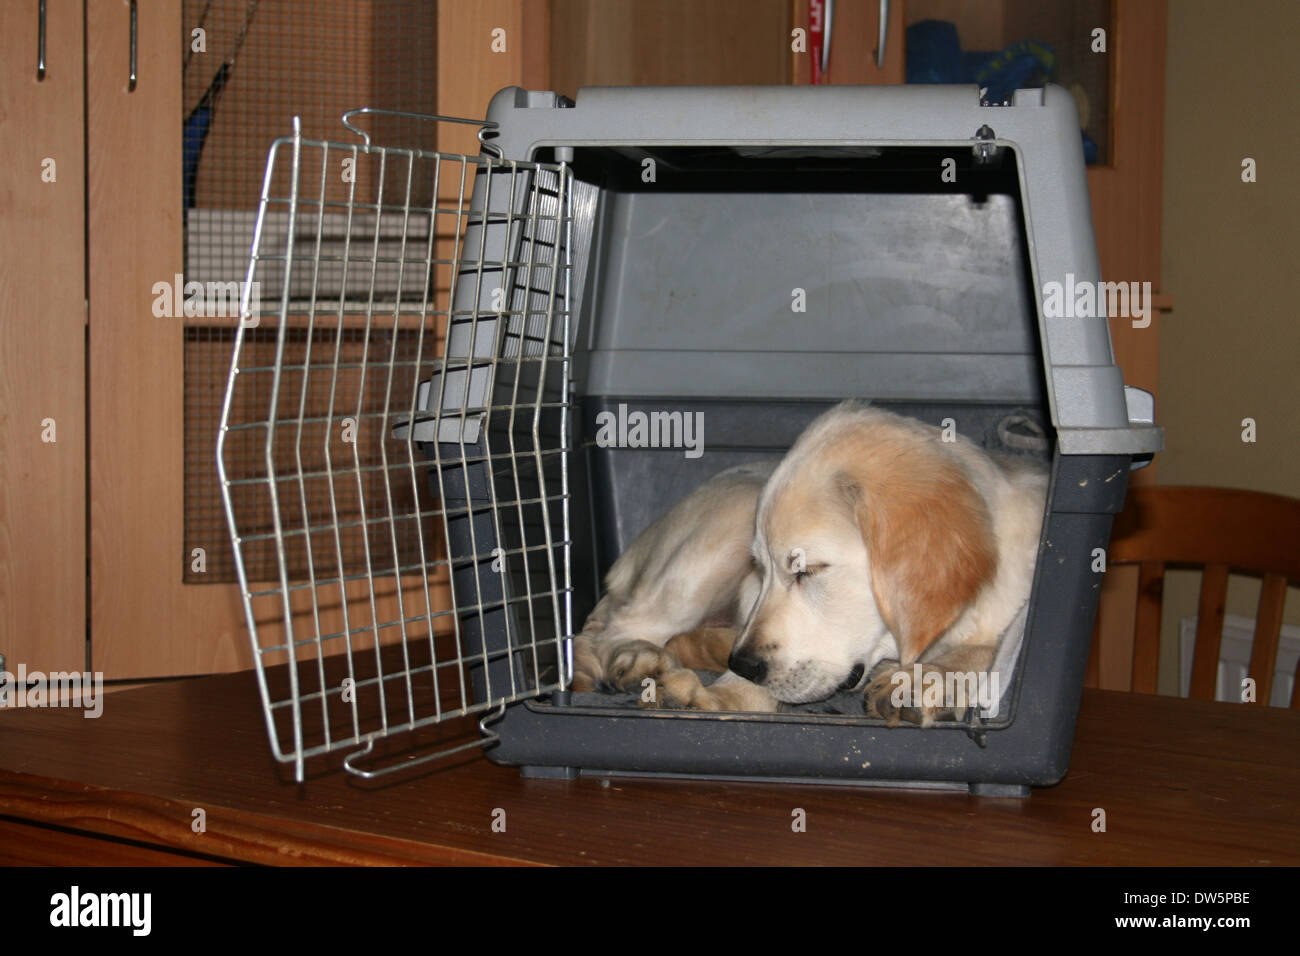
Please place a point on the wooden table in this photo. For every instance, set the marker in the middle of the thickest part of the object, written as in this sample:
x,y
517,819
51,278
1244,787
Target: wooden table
x,y
1182,782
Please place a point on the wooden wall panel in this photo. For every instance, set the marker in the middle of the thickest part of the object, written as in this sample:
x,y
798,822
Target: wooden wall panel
x,y
42,341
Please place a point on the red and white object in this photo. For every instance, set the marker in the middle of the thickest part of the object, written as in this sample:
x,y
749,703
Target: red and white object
x,y
821,15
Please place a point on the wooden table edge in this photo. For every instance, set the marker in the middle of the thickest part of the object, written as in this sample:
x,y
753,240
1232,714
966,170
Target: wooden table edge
x,y
231,834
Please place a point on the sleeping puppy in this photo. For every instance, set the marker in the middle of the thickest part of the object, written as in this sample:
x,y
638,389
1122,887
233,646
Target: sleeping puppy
x,y
874,546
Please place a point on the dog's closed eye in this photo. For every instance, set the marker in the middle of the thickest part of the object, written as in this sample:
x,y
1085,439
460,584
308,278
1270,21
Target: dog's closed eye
x,y
803,572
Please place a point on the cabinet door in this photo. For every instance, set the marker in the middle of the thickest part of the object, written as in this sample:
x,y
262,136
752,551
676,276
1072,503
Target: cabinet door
x,y
42,340
145,621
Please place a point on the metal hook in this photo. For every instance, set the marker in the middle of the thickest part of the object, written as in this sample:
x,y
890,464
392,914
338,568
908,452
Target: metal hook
x,y
40,41
135,17
882,34
828,27
484,125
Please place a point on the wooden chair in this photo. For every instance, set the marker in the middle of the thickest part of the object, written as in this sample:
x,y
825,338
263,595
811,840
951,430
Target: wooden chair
x,y
1221,530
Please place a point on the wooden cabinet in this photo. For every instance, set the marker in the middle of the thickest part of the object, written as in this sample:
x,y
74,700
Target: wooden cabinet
x,y
683,42
93,525
668,43
42,338
97,528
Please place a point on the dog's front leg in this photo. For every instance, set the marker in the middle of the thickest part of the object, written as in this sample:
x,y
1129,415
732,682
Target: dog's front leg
x,y
625,664
704,649
681,688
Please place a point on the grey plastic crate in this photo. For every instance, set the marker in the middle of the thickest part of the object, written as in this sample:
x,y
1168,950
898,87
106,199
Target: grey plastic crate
x,y
921,294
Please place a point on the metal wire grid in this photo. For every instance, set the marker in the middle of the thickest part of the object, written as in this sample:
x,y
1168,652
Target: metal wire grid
x,y
454,403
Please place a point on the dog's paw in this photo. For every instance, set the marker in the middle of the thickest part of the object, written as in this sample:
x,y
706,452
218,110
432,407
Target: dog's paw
x,y
629,663
893,695
679,689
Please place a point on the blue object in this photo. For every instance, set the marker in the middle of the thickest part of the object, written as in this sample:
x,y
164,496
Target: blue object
x,y
934,55
197,125
1020,66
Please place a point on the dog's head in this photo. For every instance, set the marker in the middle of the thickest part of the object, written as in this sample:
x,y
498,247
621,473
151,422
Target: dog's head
x,y
870,540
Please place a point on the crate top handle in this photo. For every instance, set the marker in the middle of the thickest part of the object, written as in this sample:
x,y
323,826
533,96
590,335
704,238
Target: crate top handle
x,y
484,125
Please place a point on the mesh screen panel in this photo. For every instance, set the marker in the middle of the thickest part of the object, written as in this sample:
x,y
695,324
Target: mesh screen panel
x,y
249,67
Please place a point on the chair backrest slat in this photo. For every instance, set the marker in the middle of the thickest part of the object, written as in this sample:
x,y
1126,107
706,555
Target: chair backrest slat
x,y
1209,631
1268,634
1146,627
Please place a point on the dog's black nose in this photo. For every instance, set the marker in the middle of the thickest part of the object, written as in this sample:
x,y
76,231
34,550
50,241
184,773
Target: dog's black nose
x,y
750,668
855,675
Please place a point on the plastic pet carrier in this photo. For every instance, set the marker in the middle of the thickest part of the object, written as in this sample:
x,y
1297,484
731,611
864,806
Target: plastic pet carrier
x,y
740,257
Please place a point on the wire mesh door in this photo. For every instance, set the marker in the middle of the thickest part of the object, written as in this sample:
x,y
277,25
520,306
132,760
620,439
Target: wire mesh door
x,y
395,424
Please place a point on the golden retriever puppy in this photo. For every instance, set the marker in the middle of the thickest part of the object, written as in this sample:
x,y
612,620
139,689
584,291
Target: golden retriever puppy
x,y
876,546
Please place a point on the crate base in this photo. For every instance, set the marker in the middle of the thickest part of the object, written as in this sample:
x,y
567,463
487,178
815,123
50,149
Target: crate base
x,y
1006,790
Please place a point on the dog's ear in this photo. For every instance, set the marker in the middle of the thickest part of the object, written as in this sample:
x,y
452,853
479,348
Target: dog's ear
x,y
929,539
